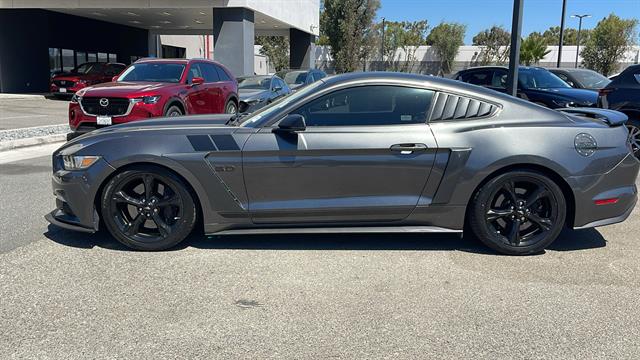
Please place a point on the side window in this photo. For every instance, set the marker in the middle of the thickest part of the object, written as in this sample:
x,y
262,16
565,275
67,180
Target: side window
x,y
480,77
222,74
209,72
499,79
368,105
194,71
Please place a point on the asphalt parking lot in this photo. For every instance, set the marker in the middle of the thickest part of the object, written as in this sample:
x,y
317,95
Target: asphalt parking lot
x,y
71,295
30,112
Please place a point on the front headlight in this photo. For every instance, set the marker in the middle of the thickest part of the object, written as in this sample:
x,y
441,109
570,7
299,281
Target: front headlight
x,y
148,99
75,98
76,162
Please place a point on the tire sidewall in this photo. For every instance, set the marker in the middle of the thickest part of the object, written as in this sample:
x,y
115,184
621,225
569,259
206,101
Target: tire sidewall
x,y
228,103
173,109
482,198
184,227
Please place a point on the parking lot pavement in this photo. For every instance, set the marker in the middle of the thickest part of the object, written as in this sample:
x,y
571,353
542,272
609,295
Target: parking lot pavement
x,y
70,295
29,112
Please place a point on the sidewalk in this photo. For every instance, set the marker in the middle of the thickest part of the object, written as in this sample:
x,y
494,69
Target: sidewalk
x,y
4,96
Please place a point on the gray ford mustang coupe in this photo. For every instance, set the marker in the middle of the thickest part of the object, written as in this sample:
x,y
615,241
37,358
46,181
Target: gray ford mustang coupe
x,y
366,152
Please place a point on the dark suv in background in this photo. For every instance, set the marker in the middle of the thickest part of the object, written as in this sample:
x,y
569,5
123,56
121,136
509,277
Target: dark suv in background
x,y
84,75
582,78
623,94
535,84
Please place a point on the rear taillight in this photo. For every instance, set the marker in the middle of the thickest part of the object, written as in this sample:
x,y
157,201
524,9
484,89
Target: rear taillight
x,y
604,92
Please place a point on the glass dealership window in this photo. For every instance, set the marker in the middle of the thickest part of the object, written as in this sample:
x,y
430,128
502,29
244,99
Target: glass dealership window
x,y
103,57
81,58
68,60
54,60
92,57
113,58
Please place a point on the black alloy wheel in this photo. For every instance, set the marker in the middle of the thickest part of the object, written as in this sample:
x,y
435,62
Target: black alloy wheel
x,y
518,213
634,136
148,208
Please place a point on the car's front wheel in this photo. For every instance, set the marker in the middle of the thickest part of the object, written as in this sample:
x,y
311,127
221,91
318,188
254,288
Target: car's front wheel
x,y
519,212
231,107
173,111
148,208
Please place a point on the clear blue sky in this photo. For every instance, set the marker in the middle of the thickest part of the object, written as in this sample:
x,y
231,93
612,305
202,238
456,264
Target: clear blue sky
x,y
539,15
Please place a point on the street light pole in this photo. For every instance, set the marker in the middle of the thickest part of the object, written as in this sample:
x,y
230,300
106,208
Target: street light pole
x,y
514,50
564,11
384,66
578,37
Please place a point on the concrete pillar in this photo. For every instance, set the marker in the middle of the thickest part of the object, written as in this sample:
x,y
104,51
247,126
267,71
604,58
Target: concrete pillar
x,y
300,49
233,39
155,47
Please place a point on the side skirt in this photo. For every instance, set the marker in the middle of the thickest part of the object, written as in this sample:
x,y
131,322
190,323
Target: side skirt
x,y
338,230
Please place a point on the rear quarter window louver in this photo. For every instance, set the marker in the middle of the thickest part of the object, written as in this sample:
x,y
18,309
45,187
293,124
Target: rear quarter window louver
x,y
453,107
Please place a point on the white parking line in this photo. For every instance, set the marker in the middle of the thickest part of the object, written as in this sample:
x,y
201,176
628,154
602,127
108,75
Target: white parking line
x,y
28,153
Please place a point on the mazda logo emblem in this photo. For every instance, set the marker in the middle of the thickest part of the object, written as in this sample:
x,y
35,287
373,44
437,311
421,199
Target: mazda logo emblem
x,y
104,102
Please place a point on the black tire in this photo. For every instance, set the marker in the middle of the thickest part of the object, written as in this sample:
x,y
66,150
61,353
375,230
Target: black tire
x,y
519,212
173,111
230,107
633,125
142,217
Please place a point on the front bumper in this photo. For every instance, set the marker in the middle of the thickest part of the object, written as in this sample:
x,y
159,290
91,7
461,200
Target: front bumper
x,y
81,123
75,193
619,183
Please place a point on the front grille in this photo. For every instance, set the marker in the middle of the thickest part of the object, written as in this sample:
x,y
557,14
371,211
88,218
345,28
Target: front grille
x,y
115,107
63,83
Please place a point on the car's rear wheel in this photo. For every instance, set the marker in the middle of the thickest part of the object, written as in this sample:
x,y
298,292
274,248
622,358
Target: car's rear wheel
x,y
230,107
148,208
634,136
173,111
518,213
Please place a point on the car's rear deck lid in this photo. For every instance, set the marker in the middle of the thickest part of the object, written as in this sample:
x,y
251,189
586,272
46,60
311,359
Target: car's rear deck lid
x,y
610,117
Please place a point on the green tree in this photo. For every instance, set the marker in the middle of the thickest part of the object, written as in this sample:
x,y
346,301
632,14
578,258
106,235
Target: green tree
x,y
404,36
608,42
533,49
345,23
494,43
446,39
552,36
276,48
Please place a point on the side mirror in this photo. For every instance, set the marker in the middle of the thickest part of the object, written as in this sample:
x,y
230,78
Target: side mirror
x,y
115,78
291,123
277,88
197,81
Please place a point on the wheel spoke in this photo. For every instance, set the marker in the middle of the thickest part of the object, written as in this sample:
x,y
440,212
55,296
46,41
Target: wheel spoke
x,y
163,227
494,214
148,186
539,193
514,232
121,197
134,226
545,224
510,189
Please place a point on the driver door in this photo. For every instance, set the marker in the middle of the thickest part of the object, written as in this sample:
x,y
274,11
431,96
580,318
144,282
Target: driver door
x,y
365,155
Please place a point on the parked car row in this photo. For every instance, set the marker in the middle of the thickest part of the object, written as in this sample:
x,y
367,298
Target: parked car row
x,y
87,74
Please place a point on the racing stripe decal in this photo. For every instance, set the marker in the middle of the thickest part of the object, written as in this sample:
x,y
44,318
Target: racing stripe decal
x,y
201,143
225,142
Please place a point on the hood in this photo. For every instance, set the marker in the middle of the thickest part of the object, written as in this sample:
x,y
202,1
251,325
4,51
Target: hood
x,y
248,94
123,88
579,96
178,122
75,76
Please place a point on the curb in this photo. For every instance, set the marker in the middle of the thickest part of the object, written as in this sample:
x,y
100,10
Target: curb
x,y
32,141
22,97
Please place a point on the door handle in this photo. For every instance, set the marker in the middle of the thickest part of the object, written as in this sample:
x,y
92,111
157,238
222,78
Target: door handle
x,y
407,149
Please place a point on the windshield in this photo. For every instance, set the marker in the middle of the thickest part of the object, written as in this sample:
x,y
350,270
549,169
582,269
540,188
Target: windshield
x,y
154,72
254,118
258,83
89,68
591,79
533,78
295,77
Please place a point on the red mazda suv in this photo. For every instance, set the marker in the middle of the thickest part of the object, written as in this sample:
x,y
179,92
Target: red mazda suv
x,y
155,87
84,75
